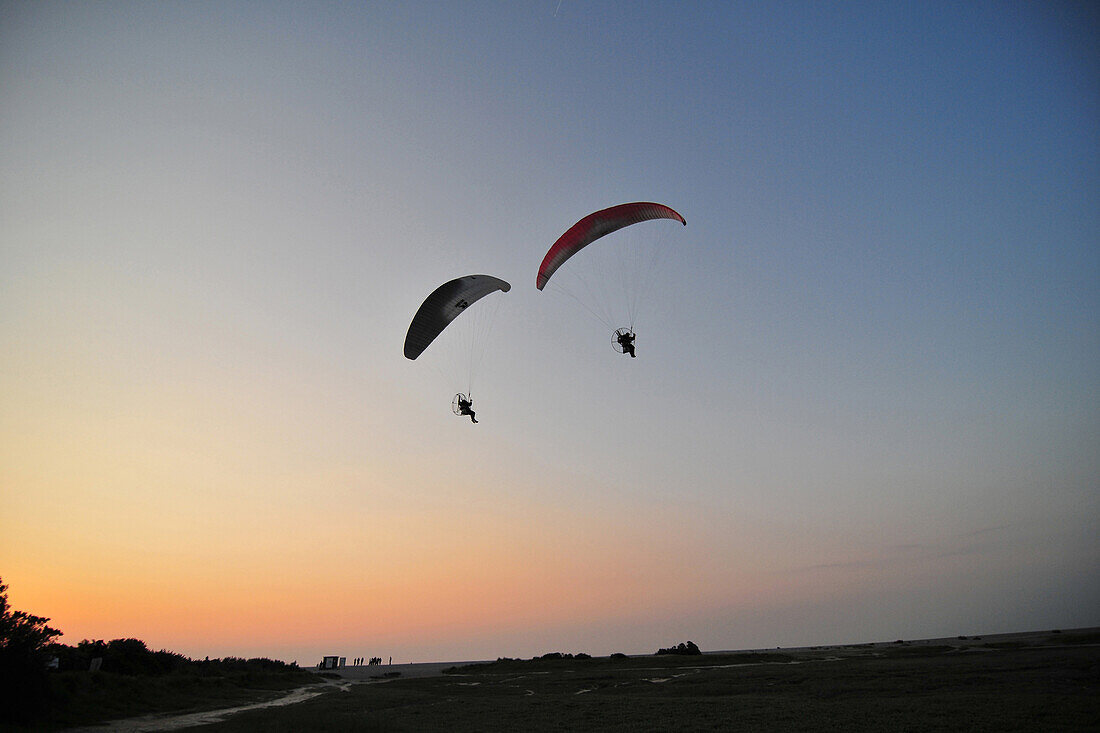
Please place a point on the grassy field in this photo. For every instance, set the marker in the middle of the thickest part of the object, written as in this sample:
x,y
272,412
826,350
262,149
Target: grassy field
x,y
84,698
1048,682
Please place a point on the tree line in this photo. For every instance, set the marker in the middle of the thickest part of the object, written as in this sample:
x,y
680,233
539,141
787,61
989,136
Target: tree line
x,y
29,652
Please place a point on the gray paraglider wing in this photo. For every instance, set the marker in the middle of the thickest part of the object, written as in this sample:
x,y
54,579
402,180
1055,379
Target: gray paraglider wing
x,y
444,305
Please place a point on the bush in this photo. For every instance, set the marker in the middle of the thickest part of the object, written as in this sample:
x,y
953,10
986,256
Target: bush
x,y
24,639
684,649
555,655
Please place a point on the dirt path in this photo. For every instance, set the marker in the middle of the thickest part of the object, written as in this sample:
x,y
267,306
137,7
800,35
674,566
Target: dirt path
x,y
173,721
349,676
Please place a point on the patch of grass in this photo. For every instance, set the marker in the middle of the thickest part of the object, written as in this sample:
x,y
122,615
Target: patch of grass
x,y
84,698
619,662
930,650
1085,638
1014,691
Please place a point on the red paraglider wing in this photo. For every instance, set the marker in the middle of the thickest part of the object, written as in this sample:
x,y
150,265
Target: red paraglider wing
x,y
597,225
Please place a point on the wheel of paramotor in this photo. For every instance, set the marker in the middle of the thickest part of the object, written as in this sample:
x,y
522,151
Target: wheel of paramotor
x,y
616,344
454,403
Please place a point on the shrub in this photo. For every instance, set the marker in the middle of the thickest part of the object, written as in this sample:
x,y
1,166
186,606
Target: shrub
x,y
555,655
24,640
684,649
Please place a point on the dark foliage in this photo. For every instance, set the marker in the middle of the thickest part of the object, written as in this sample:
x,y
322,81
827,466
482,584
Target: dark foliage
x,y
541,665
121,656
132,657
684,649
556,655
131,679
561,655
23,681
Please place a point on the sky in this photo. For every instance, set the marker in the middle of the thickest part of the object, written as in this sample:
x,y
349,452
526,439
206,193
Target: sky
x,y
866,401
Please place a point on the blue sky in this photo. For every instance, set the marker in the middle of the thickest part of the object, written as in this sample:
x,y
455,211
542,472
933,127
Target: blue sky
x,y
866,400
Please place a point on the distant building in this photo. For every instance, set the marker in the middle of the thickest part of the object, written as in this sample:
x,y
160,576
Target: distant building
x,y
333,662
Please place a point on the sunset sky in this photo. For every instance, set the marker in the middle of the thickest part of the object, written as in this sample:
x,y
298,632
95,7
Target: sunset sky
x,y
866,403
